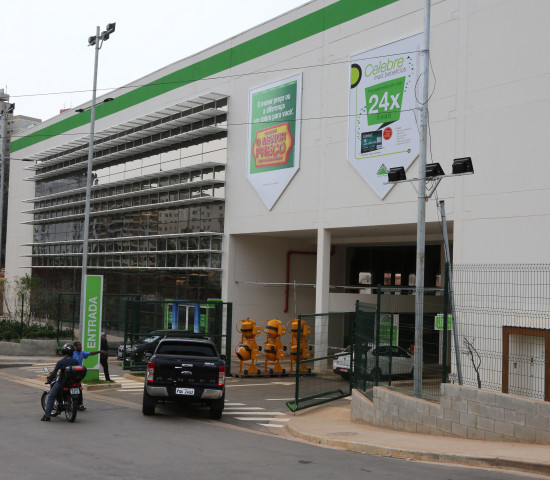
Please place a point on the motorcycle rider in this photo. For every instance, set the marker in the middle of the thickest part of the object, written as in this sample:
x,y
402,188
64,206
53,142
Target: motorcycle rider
x,y
67,360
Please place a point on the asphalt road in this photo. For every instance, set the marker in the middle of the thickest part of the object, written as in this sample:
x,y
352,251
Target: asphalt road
x,y
113,440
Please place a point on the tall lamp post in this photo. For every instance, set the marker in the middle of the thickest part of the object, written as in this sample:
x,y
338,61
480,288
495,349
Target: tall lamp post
x,y
97,41
7,108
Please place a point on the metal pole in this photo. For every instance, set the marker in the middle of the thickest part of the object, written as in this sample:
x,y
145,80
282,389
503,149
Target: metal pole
x,y
451,291
88,194
5,109
421,217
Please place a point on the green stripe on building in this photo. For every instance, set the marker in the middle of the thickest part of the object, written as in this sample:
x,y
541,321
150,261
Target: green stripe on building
x,y
304,27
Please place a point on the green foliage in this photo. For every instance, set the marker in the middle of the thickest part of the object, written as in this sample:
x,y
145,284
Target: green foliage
x,y
11,330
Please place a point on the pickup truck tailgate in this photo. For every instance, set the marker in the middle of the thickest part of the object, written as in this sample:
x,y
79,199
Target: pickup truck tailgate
x,y
173,371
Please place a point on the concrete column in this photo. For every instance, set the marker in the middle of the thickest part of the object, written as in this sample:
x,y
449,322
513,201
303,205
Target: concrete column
x,y
322,294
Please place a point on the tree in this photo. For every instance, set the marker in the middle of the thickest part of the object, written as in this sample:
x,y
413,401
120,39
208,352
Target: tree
x,y
475,357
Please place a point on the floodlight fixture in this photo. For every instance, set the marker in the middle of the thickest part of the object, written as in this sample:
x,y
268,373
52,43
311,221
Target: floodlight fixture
x,y
111,27
462,165
396,174
106,100
92,40
434,170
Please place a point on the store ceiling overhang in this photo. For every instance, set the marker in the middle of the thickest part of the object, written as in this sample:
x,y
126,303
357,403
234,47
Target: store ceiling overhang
x,y
397,234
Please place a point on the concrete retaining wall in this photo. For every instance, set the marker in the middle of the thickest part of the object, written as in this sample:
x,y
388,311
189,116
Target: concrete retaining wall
x,y
30,347
465,412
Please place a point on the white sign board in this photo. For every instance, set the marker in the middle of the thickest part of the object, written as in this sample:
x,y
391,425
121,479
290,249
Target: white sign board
x,y
383,131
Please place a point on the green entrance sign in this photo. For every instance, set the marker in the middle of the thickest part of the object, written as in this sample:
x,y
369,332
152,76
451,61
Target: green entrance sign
x,y
91,338
439,322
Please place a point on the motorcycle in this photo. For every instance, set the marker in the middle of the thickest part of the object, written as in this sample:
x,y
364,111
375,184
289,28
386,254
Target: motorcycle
x,y
68,397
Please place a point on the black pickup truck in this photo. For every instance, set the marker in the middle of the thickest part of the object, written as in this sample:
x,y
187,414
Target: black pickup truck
x,y
185,370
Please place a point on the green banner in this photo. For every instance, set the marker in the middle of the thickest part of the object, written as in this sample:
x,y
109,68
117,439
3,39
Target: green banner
x,y
384,101
388,333
273,126
91,338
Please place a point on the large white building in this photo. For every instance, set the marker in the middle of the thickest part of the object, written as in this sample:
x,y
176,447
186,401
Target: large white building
x,y
278,141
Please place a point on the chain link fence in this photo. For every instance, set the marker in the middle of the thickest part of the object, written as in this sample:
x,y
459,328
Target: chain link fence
x,y
503,323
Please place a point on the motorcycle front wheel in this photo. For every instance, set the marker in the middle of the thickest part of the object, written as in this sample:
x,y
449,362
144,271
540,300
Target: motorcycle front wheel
x,y
43,400
71,408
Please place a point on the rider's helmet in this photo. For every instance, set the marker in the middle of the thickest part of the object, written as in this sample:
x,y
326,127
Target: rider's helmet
x,y
68,349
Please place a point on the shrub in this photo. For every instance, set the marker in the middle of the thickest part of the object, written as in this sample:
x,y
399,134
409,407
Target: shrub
x,y
11,330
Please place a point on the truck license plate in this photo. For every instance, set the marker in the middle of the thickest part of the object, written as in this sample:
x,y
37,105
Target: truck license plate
x,y
185,391
75,391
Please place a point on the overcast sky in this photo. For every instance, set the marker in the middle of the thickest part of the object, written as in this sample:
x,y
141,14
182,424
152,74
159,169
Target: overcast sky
x,y
47,64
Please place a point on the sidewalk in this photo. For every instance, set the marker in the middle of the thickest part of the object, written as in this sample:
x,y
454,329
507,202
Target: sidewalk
x,y
22,361
330,425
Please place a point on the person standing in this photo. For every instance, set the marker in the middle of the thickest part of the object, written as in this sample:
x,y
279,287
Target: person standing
x,y
79,355
104,357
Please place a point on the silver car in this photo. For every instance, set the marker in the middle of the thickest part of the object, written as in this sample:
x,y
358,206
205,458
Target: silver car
x,y
402,362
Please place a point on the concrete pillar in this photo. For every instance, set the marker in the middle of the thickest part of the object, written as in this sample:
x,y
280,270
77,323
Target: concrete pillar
x,y
322,294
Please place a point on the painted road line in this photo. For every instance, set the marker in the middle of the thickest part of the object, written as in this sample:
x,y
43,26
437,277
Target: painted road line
x,y
234,404
270,425
279,399
279,419
246,408
255,419
252,413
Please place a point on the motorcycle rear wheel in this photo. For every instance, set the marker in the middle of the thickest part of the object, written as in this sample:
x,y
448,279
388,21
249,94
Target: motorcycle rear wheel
x,y
71,408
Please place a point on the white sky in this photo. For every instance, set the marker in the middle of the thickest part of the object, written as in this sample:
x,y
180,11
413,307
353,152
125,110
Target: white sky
x,y
45,43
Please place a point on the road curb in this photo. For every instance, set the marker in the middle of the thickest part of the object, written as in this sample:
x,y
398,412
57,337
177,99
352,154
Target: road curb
x,y
102,386
448,458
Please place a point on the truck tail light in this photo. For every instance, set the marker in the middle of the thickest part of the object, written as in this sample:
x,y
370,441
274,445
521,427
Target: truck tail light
x,y
150,375
221,375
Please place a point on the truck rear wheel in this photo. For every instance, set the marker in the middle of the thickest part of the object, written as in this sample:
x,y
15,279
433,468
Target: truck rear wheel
x,y
149,404
216,408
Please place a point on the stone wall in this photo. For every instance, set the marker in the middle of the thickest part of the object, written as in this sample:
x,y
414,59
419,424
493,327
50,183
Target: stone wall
x,y
29,347
465,412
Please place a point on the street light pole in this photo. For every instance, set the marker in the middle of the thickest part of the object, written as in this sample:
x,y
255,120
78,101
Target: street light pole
x,y
421,217
96,41
7,108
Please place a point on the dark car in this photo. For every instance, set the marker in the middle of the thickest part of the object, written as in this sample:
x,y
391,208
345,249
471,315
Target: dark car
x,y
148,344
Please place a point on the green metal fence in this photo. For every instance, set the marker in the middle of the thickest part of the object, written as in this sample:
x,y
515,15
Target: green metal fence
x,y
145,321
112,315
316,380
388,342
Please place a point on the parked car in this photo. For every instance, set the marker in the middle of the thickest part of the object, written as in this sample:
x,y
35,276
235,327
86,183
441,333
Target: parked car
x,y
137,353
132,348
402,362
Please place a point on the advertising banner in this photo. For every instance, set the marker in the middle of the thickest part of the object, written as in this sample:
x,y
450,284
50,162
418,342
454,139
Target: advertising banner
x,y
383,130
91,339
274,137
